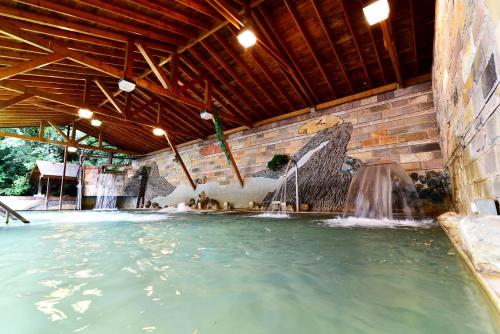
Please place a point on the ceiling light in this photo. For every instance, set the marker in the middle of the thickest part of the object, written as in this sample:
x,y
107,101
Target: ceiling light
x,y
85,113
72,149
158,132
247,38
95,122
206,115
376,11
126,85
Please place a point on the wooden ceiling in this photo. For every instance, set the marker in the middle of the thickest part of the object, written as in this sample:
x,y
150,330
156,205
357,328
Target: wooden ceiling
x,y
59,55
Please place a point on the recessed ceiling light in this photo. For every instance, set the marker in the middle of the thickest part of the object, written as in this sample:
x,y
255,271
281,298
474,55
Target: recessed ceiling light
x,y
247,38
158,132
95,122
376,11
126,85
85,113
72,149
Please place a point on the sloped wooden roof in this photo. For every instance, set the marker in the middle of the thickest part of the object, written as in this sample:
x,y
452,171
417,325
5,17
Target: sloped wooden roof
x,y
54,169
59,55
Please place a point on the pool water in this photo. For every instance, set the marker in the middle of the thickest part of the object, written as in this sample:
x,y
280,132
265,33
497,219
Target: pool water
x,y
116,272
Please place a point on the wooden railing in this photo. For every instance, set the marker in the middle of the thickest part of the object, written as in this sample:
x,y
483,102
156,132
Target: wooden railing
x,y
9,212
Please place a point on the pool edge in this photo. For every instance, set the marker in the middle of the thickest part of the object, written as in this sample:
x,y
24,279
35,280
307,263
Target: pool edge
x,y
489,290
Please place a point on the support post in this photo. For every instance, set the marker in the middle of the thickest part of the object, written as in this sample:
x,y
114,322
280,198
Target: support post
x,y
63,177
40,185
179,159
47,194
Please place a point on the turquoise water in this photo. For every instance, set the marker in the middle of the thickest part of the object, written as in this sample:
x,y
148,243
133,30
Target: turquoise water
x,y
109,272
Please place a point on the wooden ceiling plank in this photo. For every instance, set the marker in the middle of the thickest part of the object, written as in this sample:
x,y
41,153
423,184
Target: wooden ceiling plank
x,y
351,32
248,71
198,56
27,66
176,15
189,45
191,70
200,7
414,35
236,77
287,74
295,17
297,74
25,15
15,100
109,96
136,16
116,24
374,46
271,78
324,26
155,68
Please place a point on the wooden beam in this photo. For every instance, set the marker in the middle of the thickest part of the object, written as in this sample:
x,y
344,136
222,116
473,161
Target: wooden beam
x,y
308,42
128,67
414,35
179,160
62,143
15,100
237,78
27,66
109,96
297,74
59,131
264,68
174,14
324,26
61,190
192,71
243,100
200,7
349,27
155,68
231,160
116,9
391,49
227,12
248,71
174,70
116,24
53,46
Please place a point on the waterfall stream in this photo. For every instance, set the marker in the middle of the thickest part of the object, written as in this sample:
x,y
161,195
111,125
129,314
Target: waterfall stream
x,y
380,190
106,191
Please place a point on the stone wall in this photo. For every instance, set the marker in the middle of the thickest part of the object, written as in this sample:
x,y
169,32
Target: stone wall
x,y
467,96
398,125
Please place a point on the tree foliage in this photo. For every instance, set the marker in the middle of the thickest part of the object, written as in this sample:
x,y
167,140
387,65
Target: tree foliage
x,y
18,158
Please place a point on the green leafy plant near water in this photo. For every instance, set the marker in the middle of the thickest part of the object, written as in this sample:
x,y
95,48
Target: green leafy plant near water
x,y
278,161
219,133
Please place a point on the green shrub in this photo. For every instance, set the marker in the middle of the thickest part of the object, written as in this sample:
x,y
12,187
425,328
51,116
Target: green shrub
x,y
278,161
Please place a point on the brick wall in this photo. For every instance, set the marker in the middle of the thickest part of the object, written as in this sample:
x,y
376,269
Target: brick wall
x,y
398,125
467,96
